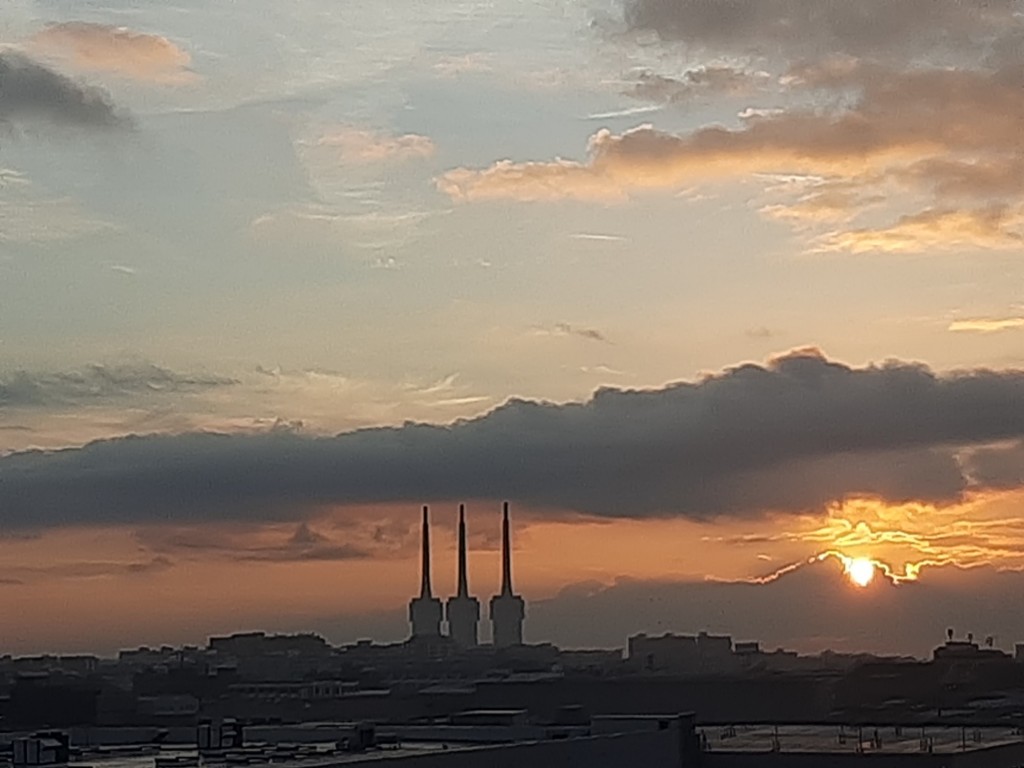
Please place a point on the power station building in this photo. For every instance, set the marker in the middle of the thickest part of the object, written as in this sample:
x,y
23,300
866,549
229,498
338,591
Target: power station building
x,y
462,611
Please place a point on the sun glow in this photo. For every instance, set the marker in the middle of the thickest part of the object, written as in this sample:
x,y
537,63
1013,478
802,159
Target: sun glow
x,y
860,570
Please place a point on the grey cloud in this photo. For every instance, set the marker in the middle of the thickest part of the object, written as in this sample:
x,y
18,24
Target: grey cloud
x,y
32,92
790,436
332,553
99,383
858,27
695,83
591,334
1001,467
304,545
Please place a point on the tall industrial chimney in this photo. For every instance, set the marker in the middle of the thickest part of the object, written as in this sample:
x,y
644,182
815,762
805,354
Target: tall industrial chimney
x,y
506,553
425,590
507,608
463,588
463,611
425,610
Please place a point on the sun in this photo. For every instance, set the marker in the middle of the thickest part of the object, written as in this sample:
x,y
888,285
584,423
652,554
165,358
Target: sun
x,y
860,570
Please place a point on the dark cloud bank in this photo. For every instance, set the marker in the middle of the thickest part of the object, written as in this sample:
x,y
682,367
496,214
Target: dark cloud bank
x,y
788,437
32,92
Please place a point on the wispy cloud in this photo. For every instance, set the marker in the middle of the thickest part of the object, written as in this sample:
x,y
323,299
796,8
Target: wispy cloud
x,y
987,325
626,112
568,329
99,383
356,145
598,237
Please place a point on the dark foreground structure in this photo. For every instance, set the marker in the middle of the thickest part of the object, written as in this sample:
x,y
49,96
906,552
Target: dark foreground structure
x,y
508,739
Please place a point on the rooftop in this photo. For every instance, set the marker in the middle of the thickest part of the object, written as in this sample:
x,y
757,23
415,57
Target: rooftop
x,y
256,756
833,739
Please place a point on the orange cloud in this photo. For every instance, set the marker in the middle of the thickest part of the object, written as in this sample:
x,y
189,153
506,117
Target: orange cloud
x,y
104,48
993,227
951,134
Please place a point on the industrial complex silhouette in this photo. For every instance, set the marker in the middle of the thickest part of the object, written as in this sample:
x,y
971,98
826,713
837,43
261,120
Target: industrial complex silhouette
x,y
462,611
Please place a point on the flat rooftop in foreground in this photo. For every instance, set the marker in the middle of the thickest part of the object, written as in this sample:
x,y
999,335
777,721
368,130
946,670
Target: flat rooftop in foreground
x,y
831,739
406,749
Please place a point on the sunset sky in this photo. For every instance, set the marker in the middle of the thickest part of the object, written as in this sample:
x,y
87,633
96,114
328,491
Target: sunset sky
x,y
719,294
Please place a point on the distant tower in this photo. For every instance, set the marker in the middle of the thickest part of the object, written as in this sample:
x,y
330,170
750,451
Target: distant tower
x,y
507,608
425,610
463,611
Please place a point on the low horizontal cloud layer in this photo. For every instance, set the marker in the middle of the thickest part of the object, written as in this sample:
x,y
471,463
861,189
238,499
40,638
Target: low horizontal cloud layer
x,y
99,383
105,48
792,436
31,92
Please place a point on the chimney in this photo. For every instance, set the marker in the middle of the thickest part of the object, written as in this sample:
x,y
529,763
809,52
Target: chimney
x,y
425,590
506,553
463,590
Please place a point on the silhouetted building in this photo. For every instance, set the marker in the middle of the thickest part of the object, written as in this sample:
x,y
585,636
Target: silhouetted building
x,y
463,611
507,608
683,654
425,611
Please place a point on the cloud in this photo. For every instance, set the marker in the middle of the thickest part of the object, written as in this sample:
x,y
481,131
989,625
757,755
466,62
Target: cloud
x,y
793,436
1001,467
32,93
987,325
99,383
700,82
598,237
267,544
361,146
83,569
567,329
884,135
104,48
878,28
899,116
994,227
624,112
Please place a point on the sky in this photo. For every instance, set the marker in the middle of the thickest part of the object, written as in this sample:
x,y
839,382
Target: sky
x,y
721,295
